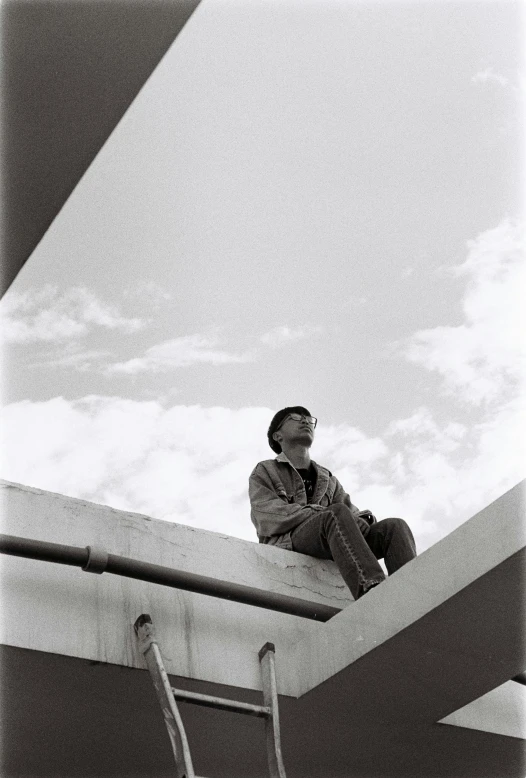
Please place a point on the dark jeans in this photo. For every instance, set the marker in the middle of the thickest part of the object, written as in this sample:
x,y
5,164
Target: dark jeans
x,y
335,534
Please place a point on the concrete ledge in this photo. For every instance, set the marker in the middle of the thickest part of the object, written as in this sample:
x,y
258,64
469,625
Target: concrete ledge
x,y
484,546
57,609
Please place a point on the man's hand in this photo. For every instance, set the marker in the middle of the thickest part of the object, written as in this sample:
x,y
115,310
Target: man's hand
x,y
363,525
365,519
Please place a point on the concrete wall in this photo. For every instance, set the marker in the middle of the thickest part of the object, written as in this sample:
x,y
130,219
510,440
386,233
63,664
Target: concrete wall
x,y
62,610
420,667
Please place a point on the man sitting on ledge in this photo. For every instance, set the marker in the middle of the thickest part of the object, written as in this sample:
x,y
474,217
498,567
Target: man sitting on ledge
x,y
299,505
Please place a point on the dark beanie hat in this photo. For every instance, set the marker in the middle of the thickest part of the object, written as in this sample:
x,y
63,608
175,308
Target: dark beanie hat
x,y
276,421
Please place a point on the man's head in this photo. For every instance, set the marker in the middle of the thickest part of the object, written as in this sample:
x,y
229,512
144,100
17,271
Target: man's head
x,y
290,424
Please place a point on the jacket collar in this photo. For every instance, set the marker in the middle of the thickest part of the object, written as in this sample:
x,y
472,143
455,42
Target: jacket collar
x,y
322,479
284,458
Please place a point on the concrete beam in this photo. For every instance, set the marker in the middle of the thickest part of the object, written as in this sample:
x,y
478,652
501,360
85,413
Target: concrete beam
x,y
479,564
442,632
398,685
70,71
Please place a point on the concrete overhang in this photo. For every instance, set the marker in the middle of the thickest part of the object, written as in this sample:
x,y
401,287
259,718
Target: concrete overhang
x,y
70,71
412,680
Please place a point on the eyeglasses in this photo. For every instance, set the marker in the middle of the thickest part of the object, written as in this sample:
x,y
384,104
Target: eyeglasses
x,y
298,417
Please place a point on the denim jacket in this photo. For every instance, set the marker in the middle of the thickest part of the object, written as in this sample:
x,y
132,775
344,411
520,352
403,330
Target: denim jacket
x,y
279,502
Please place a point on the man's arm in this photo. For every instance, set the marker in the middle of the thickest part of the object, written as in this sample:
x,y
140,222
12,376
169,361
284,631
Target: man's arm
x,y
340,495
365,516
271,514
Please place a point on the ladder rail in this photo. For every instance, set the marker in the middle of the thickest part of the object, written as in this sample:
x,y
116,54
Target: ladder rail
x,y
270,698
167,696
172,718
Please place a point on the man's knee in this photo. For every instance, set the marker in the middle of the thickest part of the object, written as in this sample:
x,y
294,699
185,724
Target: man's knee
x,y
396,525
396,522
337,513
340,510
399,527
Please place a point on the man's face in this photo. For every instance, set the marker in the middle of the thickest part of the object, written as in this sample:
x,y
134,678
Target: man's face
x,y
296,428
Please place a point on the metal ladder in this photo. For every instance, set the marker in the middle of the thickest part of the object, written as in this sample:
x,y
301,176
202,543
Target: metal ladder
x,y
167,697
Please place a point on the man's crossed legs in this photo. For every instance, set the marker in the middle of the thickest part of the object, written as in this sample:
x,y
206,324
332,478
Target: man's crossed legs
x,y
335,534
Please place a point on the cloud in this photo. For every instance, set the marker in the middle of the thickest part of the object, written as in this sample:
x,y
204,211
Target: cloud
x,y
280,336
351,454
191,464
489,75
47,315
147,292
179,352
78,360
447,470
486,354
515,86
186,463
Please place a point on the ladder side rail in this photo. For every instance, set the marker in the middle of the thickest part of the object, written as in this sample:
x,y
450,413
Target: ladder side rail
x,y
270,698
172,719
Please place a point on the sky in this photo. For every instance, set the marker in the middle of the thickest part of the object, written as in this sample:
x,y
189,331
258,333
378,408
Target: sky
x,y
314,203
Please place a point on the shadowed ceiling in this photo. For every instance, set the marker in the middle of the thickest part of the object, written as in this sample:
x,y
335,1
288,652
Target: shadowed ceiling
x,y
70,68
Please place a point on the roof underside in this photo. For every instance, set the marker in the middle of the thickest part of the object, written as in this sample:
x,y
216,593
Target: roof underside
x,y
362,695
70,71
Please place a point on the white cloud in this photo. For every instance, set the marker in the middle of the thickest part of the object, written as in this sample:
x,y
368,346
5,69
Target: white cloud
x,y
179,352
356,302
187,464
447,471
515,86
49,315
78,360
486,354
147,292
280,336
349,453
191,464
489,75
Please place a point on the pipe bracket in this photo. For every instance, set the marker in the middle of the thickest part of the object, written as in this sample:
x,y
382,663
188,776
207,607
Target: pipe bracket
x,y
97,560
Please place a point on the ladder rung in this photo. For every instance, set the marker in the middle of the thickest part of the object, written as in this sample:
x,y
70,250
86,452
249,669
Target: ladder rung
x,y
221,703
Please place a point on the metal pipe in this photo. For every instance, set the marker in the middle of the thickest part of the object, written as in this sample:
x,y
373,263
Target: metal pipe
x,y
165,576
45,552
